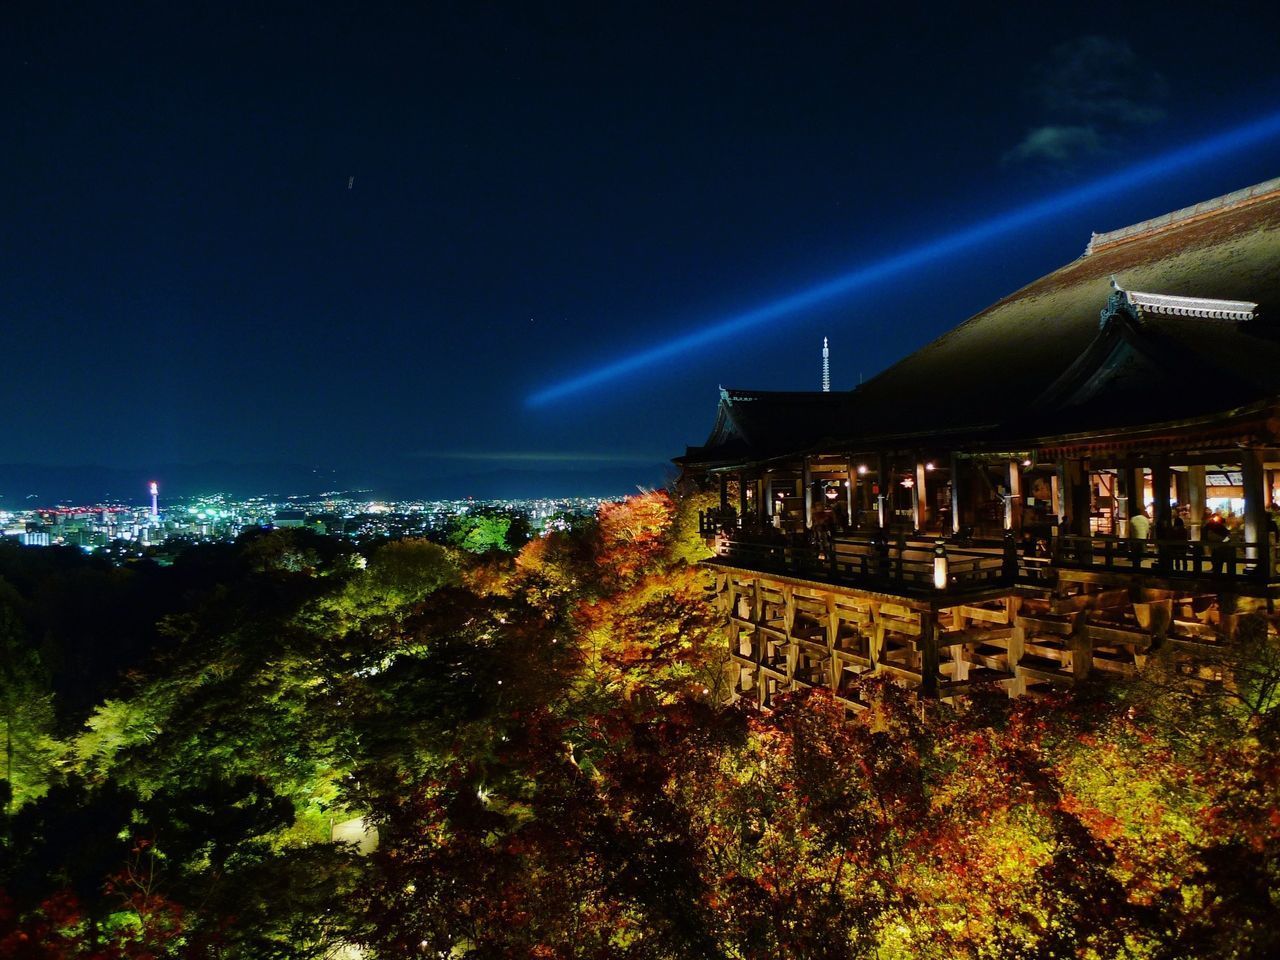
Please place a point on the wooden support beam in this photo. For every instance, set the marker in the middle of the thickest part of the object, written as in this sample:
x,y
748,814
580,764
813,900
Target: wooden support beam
x,y
1133,486
929,658
1255,505
973,635
920,496
955,493
877,635
806,478
1013,505
1081,646
1077,496
883,480
1061,628
1015,649
1161,511
1114,636
1196,498
833,631
985,615
850,485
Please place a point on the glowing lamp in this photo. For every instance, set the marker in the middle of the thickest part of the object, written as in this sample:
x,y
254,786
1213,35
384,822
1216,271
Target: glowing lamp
x,y
929,465
1026,463
940,573
862,469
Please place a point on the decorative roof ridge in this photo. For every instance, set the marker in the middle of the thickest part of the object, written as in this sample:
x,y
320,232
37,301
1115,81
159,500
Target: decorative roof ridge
x,y
731,395
1228,201
1168,304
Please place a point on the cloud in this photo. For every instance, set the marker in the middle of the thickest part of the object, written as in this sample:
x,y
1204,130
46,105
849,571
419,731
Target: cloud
x,y
1102,79
1056,144
1089,93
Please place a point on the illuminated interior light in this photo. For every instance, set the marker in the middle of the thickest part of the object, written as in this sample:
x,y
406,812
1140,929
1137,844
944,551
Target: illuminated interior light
x,y
940,572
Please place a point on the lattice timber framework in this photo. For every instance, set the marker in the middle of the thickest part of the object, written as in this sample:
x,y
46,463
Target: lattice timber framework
x,y
786,635
1082,477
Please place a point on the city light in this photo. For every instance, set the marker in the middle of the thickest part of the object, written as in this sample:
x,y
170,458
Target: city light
x,y
122,532
939,248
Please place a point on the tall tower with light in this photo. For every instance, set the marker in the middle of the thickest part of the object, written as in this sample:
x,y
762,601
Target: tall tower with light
x,y
155,501
826,367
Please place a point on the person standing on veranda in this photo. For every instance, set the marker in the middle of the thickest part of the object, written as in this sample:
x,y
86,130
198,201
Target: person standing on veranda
x,y
1139,531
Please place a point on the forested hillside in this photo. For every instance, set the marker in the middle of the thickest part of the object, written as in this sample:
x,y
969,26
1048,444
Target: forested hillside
x,y
541,738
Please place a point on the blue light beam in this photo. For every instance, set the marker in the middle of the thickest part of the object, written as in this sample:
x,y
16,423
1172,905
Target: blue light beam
x,y
879,270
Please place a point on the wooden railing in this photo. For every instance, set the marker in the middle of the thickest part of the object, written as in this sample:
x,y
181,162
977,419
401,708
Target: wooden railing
x,y
901,563
909,563
1168,558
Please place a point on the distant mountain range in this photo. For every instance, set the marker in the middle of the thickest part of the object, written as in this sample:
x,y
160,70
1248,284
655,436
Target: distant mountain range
x,y
26,485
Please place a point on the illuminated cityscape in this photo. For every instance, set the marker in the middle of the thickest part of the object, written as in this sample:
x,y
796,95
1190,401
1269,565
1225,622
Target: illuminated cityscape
x,y
122,530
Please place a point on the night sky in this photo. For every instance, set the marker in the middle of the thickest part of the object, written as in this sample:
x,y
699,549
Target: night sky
x,y
189,273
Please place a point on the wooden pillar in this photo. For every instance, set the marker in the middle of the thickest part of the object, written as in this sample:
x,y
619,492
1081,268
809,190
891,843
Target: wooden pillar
x,y
876,645
1016,648
724,494
1077,496
928,653
1013,505
1255,503
959,652
833,630
1055,493
762,495
1195,499
1081,646
1161,511
1180,490
1122,503
882,501
850,485
955,494
920,496
1131,484
806,477
742,498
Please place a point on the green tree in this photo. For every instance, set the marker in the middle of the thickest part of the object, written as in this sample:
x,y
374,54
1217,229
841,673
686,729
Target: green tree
x,y
26,710
489,529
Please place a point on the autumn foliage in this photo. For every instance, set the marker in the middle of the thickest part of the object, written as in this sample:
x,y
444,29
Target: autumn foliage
x,y
545,747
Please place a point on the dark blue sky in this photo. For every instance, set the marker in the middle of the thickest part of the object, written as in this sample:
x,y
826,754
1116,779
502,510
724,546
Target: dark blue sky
x,y
185,275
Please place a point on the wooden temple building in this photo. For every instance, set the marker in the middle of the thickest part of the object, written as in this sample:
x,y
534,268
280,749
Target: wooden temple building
x,y
971,514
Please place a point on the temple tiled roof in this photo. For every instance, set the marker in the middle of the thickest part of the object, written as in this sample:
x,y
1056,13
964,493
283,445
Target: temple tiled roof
x,y
757,425
1202,336
1002,360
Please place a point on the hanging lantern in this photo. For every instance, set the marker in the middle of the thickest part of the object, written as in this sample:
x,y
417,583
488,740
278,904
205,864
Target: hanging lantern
x,y
940,572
